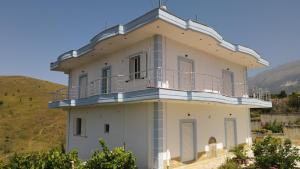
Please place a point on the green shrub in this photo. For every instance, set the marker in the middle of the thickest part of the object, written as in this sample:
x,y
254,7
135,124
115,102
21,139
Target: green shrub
x,y
118,158
230,164
271,152
294,101
240,154
54,159
274,126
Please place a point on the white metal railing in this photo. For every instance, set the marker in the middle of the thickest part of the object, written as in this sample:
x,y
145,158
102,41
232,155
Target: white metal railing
x,y
160,78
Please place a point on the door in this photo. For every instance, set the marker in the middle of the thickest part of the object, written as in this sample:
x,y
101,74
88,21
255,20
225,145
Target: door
x,y
186,74
83,83
228,83
188,141
106,80
230,133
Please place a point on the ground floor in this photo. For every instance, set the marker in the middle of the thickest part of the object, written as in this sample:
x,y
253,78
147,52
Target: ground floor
x,y
160,133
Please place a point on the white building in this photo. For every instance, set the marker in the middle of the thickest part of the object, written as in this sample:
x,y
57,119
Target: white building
x,y
162,87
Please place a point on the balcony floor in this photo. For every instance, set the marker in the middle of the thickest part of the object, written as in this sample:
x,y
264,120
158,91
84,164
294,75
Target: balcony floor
x,y
154,94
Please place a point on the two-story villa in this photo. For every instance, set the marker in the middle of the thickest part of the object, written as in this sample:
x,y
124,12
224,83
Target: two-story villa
x,y
161,86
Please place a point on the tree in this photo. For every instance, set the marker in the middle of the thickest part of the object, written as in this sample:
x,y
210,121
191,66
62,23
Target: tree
x,y
294,101
282,94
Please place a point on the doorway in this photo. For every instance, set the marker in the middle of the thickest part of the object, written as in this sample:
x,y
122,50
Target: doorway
x,y
188,140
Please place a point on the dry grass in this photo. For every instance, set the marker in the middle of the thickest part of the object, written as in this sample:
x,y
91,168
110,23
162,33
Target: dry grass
x,y
26,123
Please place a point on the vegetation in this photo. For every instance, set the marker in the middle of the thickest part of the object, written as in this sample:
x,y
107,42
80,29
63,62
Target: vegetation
x,y
274,126
294,102
26,123
240,154
54,159
118,158
271,152
230,164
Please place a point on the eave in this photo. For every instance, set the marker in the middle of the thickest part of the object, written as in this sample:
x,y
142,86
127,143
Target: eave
x,y
151,17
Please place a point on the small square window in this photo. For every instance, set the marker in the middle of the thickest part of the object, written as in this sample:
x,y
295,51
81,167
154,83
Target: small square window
x,y
106,128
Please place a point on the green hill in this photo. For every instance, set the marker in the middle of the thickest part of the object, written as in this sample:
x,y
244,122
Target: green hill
x,y
26,123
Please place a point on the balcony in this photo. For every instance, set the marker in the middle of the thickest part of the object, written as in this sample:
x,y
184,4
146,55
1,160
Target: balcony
x,y
170,80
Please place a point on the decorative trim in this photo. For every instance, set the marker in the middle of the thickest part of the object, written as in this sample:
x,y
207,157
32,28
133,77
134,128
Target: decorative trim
x,y
158,60
156,14
155,94
158,135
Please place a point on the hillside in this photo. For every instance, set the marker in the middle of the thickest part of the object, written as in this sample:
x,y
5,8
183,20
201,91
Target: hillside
x,y
285,77
26,123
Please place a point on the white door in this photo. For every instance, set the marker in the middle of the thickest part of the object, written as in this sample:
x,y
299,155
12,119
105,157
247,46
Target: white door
x,y
106,80
228,83
230,132
187,142
83,86
186,81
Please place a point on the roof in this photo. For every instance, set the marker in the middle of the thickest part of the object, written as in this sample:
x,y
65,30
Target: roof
x,y
153,15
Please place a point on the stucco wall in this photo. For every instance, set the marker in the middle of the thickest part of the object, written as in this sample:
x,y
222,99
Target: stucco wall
x,y
209,120
119,62
129,124
208,68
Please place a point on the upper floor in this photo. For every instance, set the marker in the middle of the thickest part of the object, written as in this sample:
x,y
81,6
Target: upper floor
x,y
159,51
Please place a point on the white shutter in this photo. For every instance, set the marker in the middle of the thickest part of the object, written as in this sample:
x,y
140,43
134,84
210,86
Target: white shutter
x,y
143,64
74,126
131,68
83,127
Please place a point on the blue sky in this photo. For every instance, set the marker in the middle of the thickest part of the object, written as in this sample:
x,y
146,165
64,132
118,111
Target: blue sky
x,y
34,32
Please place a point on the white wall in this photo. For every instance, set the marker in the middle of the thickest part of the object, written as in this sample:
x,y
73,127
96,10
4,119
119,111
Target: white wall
x,y
210,122
204,64
119,62
128,123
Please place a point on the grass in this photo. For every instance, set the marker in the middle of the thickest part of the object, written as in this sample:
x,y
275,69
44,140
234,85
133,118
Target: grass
x,y
26,123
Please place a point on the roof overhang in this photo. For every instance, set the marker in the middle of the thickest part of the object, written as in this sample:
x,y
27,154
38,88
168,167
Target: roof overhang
x,y
159,21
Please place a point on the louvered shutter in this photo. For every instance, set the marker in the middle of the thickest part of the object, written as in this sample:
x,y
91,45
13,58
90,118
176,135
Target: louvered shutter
x,y
74,126
83,127
143,64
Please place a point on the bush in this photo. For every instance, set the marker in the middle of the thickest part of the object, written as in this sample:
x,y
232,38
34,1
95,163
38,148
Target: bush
x,y
54,159
270,152
294,101
274,126
230,164
282,94
118,158
240,154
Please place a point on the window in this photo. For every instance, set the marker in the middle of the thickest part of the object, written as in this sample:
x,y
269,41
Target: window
x,y
138,66
106,80
78,126
135,67
106,128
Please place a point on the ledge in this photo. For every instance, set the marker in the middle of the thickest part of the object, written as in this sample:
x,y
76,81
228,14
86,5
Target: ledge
x,y
156,14
155,94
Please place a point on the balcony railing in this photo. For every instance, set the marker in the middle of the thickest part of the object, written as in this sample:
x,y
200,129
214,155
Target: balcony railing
x,y
160,78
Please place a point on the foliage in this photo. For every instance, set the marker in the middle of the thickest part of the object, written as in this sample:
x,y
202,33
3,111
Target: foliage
x,y
230,164
274,126
118,158
240,153
53,159
1,102
282,94
294,101
270,152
